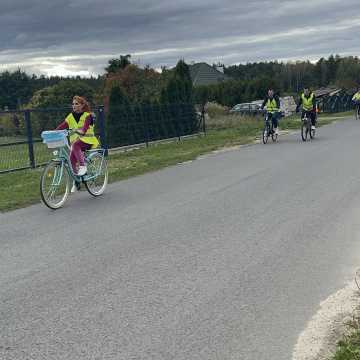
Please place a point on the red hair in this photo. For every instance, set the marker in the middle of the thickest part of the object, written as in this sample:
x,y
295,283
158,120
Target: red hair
x,y
81,100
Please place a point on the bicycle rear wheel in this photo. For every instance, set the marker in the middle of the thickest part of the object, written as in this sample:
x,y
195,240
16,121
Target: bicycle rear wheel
x,y
54,185
96,168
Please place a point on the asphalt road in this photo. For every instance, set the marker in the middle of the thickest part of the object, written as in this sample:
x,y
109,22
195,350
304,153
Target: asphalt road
x,y
225,257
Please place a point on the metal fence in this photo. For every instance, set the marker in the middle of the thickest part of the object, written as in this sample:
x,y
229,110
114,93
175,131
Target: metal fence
x,y
134,124
20,142
336,103
21,146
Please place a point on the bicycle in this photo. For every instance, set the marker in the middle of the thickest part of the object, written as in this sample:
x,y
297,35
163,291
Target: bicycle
x,y
357,111
306,126
55,179
268,129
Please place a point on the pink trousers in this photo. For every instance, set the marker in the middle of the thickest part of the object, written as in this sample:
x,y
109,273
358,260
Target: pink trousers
x,y
77,153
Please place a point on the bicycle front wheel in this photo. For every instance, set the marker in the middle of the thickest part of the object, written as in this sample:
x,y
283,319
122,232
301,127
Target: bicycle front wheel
x,y
311,132
54,185
266,133
98,173
304,131
274,136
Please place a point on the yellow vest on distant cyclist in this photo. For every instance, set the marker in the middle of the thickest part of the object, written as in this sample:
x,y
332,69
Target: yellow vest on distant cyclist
x,y
356,97
271,106
89,137
307,102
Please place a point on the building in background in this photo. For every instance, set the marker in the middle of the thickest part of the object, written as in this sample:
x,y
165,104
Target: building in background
x,y
205,74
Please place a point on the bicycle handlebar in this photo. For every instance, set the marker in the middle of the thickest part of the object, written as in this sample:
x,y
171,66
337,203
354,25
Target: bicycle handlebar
x,y
70,132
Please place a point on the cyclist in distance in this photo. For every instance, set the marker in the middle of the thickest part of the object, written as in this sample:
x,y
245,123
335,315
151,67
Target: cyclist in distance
x,y
272,105
81,122
356,98
307,102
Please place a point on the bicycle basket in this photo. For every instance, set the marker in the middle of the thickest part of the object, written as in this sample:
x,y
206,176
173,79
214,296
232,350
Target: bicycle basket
x,y
54,138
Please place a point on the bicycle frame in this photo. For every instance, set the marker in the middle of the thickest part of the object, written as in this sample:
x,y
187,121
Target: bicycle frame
x,y
306,118
268,121
63,156
306,125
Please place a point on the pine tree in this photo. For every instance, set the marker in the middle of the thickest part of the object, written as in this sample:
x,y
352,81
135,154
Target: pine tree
x,y
117,120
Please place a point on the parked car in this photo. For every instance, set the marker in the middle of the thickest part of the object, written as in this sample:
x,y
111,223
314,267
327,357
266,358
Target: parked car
x,y
247,109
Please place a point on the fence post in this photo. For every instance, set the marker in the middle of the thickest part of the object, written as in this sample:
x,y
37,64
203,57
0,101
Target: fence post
x,y
177,122
144,115
101,117
203,119
30,139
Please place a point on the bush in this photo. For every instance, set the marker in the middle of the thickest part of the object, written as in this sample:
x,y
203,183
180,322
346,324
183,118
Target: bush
x,y
233,121
214,110
11,125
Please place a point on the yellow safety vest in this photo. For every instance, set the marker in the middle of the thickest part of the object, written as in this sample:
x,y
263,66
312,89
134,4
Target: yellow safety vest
x,y
357,96
89,137
271,106
307,102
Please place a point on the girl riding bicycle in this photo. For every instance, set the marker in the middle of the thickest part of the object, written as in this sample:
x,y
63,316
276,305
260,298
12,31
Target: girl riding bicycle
x,y
81,122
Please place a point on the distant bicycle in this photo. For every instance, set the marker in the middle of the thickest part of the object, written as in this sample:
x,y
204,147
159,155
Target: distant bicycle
x,y
306,128
268,129
56,178
357,111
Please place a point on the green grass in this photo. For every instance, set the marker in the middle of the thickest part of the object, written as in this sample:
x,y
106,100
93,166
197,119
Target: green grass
x,y
21,188
9,139
349,347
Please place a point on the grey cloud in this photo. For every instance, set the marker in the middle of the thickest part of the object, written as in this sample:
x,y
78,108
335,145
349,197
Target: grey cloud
x,y
81,35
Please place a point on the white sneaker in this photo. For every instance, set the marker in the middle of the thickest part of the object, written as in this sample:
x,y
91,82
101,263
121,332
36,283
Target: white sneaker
x,y
73,188
312,127
82,170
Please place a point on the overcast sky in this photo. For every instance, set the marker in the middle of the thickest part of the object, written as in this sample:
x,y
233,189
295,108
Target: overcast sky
x,y
78,37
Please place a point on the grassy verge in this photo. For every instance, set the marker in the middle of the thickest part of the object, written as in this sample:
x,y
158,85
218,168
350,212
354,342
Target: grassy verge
x,y
22,188
349,347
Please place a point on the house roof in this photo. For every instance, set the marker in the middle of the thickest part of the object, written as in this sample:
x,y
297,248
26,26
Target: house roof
x,y
205,74
326,91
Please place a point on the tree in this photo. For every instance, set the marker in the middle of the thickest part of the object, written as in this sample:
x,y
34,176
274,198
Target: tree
x,y
57,96
179,88
332,66
61,94
117,122
15,89
348,73
140,85
321,73
202,95
118,64
177,96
